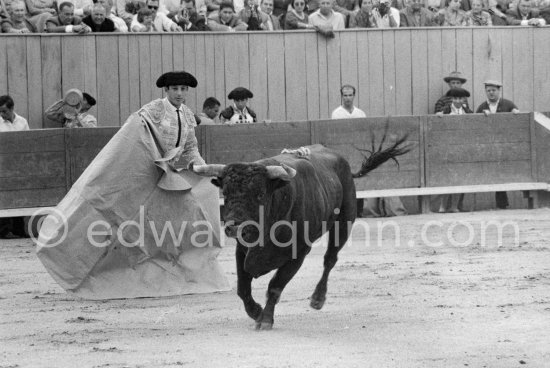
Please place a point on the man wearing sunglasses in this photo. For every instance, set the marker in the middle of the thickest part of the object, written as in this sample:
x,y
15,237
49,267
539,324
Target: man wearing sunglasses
x,y
161,22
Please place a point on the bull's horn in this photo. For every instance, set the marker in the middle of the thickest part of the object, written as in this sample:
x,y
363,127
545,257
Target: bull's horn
x,y
208,170
283,172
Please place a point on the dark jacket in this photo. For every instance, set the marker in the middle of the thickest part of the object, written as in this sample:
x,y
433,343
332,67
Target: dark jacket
x,y
503,106
107,26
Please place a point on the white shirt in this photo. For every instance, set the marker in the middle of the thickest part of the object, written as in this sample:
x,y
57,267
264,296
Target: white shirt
x,y
493,106
335,19
19,123
455,111
161,23
120,24
341,113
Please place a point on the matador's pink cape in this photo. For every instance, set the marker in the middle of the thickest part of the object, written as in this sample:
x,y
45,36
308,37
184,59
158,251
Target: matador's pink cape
x,y
96,253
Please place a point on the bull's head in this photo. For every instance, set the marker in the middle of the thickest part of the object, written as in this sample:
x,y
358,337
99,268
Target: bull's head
x,y
248,190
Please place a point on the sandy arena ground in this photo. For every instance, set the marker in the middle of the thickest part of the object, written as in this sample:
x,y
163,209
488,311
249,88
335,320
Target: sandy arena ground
x,y
393,301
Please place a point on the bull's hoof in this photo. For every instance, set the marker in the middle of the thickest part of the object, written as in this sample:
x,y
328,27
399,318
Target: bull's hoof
x,y
264,326
317,303
254,311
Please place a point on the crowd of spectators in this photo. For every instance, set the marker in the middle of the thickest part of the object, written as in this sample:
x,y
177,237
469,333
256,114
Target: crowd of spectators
x,y
84,16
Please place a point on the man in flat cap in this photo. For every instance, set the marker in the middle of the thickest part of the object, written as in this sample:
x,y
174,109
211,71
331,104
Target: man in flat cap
x,y
239,113
454,80
495,104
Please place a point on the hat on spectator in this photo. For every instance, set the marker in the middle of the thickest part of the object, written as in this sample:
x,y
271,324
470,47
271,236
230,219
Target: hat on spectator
x,y
492,82
458,92
72,103
180,78
240,93
91,101
455,76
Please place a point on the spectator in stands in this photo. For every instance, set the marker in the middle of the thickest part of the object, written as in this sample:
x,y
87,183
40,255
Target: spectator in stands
x,y
364,17
454,80
175,8
66,21
18,21
477,16
84,119
161,22
296,17
347,8
415,15
97,21
326,20
253,17
347,109
120,24
452,15
280,8
213,6
189,19
126,9
210,111
226,20
37,7
9,120
525,15
384,15
463,4
144,21
239,112
312,6
497,9
496,104
434,5
272,22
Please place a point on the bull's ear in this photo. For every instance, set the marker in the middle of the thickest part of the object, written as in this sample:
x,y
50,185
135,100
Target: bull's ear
x,y
217,182
279,183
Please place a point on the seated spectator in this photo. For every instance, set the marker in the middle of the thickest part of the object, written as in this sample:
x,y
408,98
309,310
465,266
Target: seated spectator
x,y
434,5
97,21
296,17
496,104
452,15
82,8
280,8
144,21
498,18
189,19
463,4
9,120
415,15
161,22
477,16
325,19
346,8
239,113
210,110
226,20
213,6
37,7
384,15
253,17
66,21
120,24
18,21
525,15
272,23
127,9
364,17
84,119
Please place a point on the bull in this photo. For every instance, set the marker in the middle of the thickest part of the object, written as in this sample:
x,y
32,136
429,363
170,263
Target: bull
x,y
278,206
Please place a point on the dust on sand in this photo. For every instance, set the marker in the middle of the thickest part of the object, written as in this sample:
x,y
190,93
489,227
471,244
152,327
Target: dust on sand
x,y
442,292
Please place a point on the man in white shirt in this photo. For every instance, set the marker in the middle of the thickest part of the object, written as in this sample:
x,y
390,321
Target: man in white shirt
x,y
325,17
9,120
161,22
120,24
347,110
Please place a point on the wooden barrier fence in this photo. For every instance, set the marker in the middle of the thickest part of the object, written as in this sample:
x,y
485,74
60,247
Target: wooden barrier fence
x,y
295,75
38,167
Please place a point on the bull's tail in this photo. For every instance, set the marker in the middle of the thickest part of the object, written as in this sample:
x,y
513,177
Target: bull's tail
x,y
378,156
